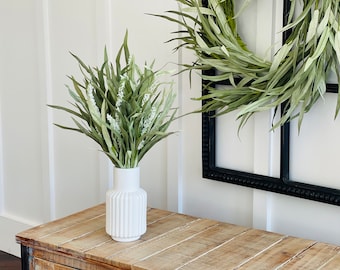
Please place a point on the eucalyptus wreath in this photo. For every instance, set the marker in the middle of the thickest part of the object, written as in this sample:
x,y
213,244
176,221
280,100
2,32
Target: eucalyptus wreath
x,y
293,81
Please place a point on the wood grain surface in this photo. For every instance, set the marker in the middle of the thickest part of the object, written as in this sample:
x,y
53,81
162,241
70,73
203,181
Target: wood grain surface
x,y
172,241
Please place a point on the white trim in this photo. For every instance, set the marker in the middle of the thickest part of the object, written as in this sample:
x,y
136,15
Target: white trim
x,y
109,23
49,100
180,148
2,188
9,227
105,22
180,161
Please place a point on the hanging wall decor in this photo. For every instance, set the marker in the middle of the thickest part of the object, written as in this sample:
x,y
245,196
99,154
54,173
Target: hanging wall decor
x,y
295,78
309,52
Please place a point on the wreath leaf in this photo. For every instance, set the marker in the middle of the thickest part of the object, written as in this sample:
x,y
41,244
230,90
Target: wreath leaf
x,y
295,78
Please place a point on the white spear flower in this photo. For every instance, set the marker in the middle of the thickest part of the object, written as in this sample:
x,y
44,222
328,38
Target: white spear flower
x,y
141,145
113,123
147,123
120,94
92,103
145,99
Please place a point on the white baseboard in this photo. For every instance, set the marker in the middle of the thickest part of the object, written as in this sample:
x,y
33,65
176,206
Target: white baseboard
x,y
8,229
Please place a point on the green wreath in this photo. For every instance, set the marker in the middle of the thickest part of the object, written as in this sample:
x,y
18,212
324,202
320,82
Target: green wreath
x,y
293,81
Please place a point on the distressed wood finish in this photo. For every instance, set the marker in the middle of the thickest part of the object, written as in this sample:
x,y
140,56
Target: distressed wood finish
x,y
172,241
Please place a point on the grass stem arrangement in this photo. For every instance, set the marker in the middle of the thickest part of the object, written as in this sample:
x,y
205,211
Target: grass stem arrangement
x,y
124,108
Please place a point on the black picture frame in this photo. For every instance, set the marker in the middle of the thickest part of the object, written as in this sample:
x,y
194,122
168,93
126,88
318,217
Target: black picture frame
x,y
283,184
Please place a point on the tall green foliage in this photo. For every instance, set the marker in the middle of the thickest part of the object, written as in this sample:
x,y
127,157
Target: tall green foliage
x,y
123,107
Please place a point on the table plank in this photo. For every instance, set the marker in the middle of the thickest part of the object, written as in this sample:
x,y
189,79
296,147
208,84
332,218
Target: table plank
x,y
155,230
154,215
236,252
46,265
73,232
197,244
55,259
278,254
314,257
60,224
86,242
332,264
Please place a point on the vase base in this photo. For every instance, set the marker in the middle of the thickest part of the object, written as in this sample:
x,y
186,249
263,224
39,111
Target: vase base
x,y
125,239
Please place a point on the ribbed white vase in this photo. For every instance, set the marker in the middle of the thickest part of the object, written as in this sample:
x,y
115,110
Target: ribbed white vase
x,y
126,206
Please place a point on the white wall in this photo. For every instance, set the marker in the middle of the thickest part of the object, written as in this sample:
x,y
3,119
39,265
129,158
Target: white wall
x,y
47,173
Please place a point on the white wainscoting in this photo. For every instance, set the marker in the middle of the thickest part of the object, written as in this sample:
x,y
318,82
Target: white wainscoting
x,y
47,173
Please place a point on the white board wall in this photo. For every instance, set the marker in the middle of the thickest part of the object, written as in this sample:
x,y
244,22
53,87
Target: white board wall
x,y
47,173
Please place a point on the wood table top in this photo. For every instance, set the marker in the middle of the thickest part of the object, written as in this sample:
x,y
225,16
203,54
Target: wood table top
x,y
173,241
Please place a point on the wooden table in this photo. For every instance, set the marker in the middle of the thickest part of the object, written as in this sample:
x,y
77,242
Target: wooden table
x,y
172,241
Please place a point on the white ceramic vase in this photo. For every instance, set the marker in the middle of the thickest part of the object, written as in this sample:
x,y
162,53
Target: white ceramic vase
x,y
126,206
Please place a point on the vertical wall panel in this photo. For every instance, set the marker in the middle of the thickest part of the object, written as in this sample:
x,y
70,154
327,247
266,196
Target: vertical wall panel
x,y
45,89
21,109
22,154
147,37
76,157
47,172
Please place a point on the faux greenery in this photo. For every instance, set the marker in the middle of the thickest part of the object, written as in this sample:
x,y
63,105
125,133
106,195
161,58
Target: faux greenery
x,y
122,108
295,78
